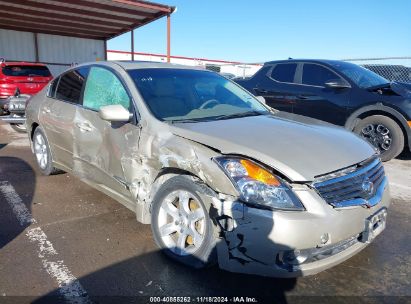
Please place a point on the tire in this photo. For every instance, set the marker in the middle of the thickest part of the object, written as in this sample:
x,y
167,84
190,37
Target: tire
x,y
20,128
180,226
41,146
383,133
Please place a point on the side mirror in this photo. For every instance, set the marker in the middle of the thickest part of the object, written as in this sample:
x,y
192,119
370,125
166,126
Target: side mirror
x,y
261,99
337,84
114,113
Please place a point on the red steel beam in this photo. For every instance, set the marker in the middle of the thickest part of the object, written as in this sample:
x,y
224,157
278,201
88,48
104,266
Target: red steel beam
x,y
132,45
168,38
77,11
62,16
152,6
114,8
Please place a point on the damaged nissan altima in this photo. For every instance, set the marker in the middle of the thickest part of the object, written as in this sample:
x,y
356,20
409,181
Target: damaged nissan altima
x,y
220,177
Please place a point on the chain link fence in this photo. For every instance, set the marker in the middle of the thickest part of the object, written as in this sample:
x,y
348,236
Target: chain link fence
x,y
391,68
232,70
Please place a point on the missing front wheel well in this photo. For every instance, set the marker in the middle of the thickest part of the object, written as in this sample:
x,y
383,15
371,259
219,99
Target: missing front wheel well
x,y
33,128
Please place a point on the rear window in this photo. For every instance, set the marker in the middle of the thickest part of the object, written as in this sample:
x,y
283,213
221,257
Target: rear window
x,y
284,72
70,85
26,70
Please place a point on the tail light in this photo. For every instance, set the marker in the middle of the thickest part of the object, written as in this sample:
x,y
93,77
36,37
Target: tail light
x,y
6,80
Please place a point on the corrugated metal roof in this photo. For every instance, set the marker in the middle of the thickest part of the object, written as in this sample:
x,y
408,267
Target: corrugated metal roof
x,y
95,19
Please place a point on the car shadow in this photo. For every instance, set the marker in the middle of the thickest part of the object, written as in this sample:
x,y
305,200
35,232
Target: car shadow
x,y
154,274
16,177
405,155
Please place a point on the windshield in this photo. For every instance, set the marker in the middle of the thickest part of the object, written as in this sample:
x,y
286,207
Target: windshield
x,y
193,95
26,70
360,76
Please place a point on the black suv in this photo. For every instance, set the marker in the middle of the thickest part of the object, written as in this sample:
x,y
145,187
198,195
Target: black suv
x,y
341,93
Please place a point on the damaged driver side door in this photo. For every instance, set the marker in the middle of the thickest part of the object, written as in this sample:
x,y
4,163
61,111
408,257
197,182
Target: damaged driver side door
x,y
104,148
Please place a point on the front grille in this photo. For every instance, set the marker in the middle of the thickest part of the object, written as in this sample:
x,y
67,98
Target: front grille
x,y
358,187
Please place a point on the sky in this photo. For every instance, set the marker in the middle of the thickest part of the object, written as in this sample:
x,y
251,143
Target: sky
x,y
263,30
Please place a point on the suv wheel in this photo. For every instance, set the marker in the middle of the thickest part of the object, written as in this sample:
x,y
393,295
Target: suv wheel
x,y
181,223
383,133
42,153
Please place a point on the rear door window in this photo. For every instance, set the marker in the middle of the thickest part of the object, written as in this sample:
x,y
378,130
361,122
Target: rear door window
x,y
317,75
104,88
26,71
284,72
71,84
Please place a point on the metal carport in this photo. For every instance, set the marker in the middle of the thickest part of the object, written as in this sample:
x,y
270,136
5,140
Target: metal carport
x,y
59,32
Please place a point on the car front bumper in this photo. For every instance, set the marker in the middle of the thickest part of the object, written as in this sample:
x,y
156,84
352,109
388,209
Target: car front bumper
x,y
255,241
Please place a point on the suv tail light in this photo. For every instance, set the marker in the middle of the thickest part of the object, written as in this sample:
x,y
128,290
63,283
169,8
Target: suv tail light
x,y
6,80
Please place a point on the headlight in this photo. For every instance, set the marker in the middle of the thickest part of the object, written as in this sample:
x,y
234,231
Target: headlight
x,y
258,186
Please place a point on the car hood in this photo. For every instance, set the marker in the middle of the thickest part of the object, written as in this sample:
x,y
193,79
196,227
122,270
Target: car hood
x,y
299,150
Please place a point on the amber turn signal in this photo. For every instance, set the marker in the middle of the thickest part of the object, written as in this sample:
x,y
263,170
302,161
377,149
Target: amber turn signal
x,y
256,172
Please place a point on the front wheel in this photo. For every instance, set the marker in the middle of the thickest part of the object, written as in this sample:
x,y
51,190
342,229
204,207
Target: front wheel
x,y
383,133
181,223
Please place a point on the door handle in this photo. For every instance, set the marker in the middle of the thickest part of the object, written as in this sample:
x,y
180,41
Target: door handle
x,y
302,97
84,126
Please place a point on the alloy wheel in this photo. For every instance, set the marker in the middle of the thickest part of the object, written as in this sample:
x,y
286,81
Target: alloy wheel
x,y
378,135
40,150
182,223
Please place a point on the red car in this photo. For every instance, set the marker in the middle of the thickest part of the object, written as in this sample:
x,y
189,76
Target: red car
x,y
28,78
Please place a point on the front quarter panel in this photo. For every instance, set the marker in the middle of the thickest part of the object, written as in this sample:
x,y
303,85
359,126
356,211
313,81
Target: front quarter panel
x,y
161,153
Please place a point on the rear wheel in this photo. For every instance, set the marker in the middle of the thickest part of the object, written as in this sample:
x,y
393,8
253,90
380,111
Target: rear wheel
x,y
42,153
383,133
181,223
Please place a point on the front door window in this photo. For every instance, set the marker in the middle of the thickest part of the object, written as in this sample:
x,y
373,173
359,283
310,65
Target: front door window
x,y
104,88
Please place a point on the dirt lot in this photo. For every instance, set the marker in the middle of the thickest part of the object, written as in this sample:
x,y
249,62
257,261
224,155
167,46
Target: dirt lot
x,y
61,237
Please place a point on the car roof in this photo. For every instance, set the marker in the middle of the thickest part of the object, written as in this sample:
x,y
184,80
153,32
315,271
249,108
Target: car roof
x,y
132,65
323,61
